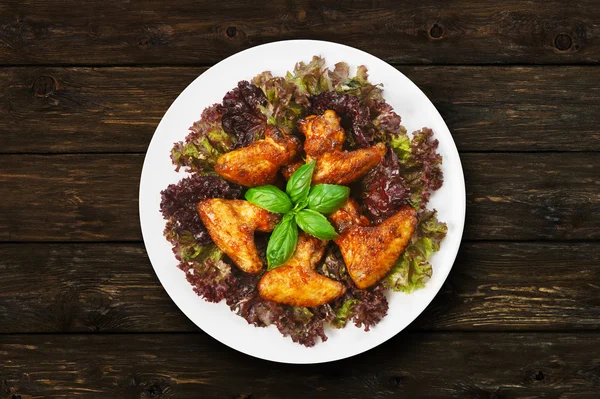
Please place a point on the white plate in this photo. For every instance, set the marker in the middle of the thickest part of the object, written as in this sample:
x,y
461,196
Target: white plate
x,y
216,319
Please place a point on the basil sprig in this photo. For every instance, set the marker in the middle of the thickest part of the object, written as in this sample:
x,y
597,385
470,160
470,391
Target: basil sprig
x,y
315,224
283,241
327,198
270,198
303,207
299,184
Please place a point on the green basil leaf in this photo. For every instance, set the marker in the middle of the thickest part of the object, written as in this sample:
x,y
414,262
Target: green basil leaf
x,y
315,224
282,243
270,198
303,203
299,184
327,198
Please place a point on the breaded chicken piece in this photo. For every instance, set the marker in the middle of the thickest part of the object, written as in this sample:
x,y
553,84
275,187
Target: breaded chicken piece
x,y
288,170
345,167
296,283
323,133
347,216
231,225
258,164
370,251
324,141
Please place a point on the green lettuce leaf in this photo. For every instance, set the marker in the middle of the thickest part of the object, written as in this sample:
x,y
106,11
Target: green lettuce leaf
x,y
186,248
311,78
420,164
285,102
205,143
344,313
412,270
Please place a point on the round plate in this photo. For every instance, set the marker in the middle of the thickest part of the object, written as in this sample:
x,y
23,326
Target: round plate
x,y
216,319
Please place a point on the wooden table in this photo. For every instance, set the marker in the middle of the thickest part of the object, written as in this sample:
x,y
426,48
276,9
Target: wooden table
x,y
82,88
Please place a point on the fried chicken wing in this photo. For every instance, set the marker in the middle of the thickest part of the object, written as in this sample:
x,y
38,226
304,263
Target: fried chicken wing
x,y
258,164
231,225
370,251
323,133
288,170
347,216
324,141
344,167
297,283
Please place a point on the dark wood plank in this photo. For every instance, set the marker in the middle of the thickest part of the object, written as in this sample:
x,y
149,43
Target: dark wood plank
x,y
83,288
86,109
519,286
509,197
515,108
152,32
112,288
49,110
484,365
70,197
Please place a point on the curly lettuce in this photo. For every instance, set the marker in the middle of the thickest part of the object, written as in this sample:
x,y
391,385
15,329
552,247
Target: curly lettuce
x,y
412,270
242,117
285,103
204,144
311,78
410,172
420,165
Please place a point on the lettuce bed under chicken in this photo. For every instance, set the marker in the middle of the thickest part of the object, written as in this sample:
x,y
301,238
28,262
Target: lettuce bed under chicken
x,y
408,174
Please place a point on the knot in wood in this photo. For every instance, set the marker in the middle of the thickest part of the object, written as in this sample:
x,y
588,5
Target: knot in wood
x,y
44,86
396,381
563,42
153,391
539,376
231,31
436,31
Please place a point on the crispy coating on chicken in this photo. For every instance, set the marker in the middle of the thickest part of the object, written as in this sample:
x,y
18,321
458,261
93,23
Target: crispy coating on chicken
x,y
370,251
231,225
288,170
296,283
344,167
324,141
323,133
347,216
258,164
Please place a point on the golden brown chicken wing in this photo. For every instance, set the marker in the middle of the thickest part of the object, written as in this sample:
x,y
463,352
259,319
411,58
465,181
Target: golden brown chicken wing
x,y
231,225
288,170
258,164
370,251
347,216
296,283
324,140
344,167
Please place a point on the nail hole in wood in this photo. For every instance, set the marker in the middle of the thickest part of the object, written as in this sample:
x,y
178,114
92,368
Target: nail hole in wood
x,y
436,31
396,382
539,376
44,86
563,42
153,391
231,31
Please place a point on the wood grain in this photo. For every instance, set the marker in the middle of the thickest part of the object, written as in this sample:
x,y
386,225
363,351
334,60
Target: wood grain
x,y
49,110
442,365
94,197
423,32
112,288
